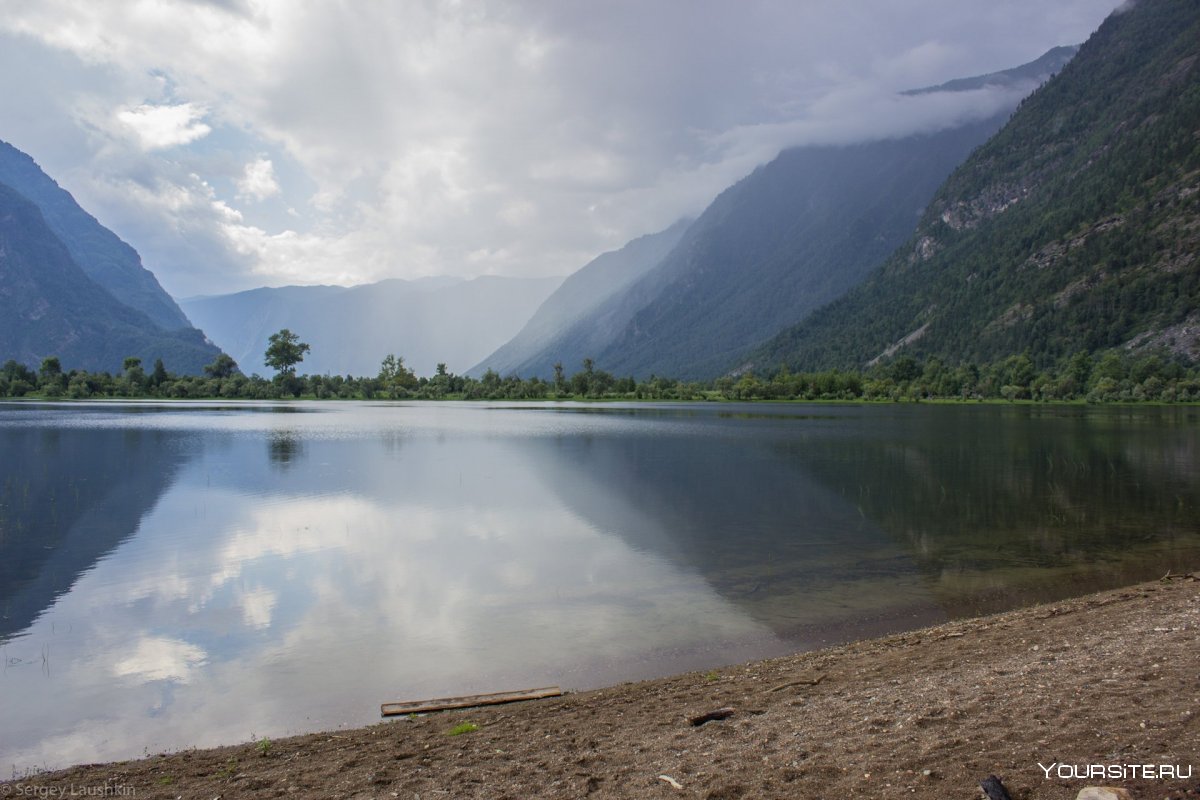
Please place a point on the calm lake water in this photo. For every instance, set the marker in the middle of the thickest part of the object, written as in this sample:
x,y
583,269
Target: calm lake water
x,y
198,574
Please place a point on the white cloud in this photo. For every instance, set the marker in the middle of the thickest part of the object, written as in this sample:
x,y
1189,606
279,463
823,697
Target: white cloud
x,y
159,658
258,181
864,112
258,606
292,257
158,127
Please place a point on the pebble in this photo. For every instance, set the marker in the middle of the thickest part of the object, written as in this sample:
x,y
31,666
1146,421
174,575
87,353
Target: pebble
x,y
1103,793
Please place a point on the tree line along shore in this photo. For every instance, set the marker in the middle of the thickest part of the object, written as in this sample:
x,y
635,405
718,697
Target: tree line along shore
x,y
1113,376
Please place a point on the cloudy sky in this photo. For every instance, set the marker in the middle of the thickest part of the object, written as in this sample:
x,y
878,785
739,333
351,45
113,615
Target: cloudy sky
x,y
241,143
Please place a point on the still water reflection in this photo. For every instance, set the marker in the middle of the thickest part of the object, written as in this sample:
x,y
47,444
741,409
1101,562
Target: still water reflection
x,y
177,575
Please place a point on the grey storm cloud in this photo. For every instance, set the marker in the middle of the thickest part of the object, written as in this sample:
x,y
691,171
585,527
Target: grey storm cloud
x,y
249,142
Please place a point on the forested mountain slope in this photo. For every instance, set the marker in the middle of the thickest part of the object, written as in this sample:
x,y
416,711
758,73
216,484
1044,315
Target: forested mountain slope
x,y
792,236
781,242
1075,228
784,241
49,307
99,252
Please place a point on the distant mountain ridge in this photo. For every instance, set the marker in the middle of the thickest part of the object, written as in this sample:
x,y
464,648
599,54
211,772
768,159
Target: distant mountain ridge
x,y
351,329
1073,229
552,334
795,234
1035,72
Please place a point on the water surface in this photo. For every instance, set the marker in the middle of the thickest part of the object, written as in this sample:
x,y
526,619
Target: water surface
x,y
194,574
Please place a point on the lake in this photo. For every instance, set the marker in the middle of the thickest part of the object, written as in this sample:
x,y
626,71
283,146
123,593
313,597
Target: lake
x,y
193,574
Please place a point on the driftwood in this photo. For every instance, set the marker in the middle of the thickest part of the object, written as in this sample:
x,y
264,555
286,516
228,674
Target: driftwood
x,y
668,779
467,701
994,789
720,713
813,681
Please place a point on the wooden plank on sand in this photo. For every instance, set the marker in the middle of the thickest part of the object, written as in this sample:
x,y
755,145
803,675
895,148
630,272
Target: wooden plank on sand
x,y
467,701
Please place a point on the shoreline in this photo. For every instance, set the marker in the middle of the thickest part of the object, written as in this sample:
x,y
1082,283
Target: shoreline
x,y
1105,679
800,401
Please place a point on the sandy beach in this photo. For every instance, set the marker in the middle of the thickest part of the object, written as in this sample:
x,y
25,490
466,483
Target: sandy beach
x,y
1040,697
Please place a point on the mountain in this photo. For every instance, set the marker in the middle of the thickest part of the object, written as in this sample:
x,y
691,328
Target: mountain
x,y
49,307
552,335
1033,73
790,237
351,329
103,257
1073,229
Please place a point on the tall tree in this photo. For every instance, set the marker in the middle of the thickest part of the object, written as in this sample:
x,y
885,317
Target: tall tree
x,y
51,368
285,351
159,376
395,378
223,366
